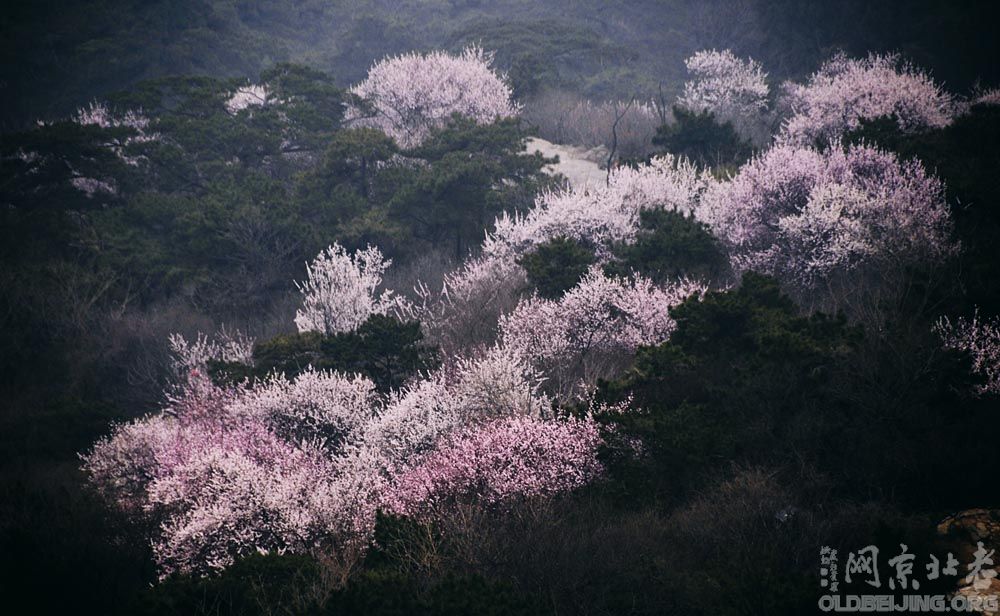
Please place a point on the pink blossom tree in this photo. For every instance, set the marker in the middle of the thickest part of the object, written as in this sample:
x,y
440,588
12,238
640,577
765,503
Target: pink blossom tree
x,y
845,92
593,330
981,340
223,483
339,293
499,463
291,465
806,215
409,95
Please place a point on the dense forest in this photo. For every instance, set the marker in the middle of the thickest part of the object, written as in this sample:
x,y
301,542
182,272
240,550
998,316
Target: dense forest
x,y
461,307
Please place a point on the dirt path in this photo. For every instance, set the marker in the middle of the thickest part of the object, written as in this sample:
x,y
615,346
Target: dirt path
x,y
580,166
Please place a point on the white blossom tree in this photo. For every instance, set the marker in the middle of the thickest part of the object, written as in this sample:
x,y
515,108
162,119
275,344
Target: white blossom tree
x,y
593,330
339,293
733,89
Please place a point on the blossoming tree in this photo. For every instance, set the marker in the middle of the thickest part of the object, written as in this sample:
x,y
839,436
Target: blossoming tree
x,y
498,463
845,92
806,215
409,95
593,330
339,292
979,338
727,86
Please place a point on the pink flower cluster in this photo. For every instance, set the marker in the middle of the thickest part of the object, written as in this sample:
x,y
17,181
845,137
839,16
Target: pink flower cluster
x,y
804,215
223,484
845,91
412,94
303,464
499,462
981,340
592,330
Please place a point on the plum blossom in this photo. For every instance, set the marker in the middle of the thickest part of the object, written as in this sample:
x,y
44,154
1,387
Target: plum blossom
x,y
139,131
845,92
601,215
411,422
92,186
411,94
316,405
725,85
500,462
223,483
805,215
225,346
989,97
981,340
250,95
593,330
303,464
498,382
339,292
98,114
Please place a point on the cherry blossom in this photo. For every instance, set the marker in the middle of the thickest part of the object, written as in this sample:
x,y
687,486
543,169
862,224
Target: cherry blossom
x,y
804,215
601,215
845,91
411,94
500,462
592,331
339,292
725,85
981,340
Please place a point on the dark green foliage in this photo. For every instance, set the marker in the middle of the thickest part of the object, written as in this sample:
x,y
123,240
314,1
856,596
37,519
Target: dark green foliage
x,y
472,174
670,245
744,379
738,367
702,139
557,266
965,156
383,349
